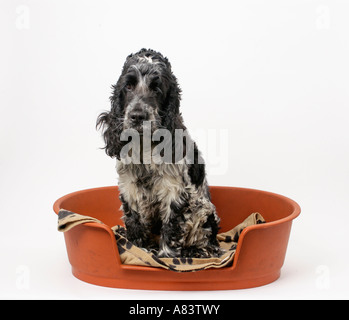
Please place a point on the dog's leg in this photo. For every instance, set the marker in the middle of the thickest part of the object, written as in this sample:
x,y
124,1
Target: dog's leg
x,y
136,232
172,237
209,245
174,227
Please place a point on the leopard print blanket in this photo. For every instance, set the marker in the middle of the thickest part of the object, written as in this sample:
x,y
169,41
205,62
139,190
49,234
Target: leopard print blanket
x,y
133,255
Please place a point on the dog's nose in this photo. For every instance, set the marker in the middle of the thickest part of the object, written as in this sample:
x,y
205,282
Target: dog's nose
x,y
137,116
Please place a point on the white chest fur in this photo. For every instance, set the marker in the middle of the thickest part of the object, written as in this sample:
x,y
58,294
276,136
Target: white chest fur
x,y
152,187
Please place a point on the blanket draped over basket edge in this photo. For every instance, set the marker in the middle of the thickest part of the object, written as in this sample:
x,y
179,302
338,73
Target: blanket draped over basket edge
x,y
133,255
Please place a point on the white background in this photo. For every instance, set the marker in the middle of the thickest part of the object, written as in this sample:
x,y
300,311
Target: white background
x,y
273,74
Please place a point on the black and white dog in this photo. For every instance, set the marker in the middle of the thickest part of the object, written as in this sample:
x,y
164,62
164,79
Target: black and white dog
x,y
166,205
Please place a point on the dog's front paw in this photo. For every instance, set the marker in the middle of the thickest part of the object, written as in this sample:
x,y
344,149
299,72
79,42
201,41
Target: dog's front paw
x,y
194,252
167,252
207,252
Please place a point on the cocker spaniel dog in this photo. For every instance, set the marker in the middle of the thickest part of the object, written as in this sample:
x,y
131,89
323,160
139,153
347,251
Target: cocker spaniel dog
x,y
166,205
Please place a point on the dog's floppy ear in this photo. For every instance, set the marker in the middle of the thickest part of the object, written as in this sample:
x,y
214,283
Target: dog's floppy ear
x,y
111,124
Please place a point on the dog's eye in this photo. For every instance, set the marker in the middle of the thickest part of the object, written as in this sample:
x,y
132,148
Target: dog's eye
x,y
155,85
129,86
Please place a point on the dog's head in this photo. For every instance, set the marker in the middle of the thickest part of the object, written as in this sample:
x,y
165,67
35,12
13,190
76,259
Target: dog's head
x,y
147,90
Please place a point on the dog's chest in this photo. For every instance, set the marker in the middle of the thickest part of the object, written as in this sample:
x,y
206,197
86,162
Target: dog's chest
x,y
150,187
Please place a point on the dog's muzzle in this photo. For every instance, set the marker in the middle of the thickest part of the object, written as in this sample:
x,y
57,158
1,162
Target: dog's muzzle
x,y
137,116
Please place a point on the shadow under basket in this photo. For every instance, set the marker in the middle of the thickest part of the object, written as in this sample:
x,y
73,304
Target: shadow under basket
x,y
260,253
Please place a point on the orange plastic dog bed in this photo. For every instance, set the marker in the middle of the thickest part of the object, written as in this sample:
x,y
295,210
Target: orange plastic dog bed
x,y
259,256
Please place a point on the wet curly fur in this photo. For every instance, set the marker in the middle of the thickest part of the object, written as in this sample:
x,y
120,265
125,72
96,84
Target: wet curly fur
x,y
166,206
